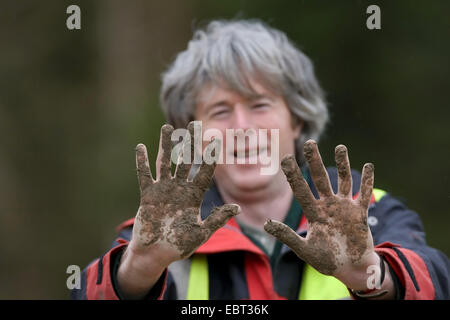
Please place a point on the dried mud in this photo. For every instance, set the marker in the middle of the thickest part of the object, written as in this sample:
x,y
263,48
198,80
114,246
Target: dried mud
x,y
332,218
169,210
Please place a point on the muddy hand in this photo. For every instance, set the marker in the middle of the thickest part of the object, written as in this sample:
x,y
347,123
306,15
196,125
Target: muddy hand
x,y
168,218
338,239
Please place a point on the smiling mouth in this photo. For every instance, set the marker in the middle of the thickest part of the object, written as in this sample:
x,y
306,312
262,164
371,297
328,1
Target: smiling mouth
x,y
248,153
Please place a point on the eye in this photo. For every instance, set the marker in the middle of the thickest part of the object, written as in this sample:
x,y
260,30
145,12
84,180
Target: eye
x,y
219,112
260,106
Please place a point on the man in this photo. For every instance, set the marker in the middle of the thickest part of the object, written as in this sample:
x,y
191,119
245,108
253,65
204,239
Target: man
x,y
195,237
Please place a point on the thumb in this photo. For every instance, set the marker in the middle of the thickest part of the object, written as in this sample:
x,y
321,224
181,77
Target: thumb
x,y
288,236
219,217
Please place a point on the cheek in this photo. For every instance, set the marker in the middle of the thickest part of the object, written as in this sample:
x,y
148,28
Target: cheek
x,y
291,133
287,135
287,142
212,130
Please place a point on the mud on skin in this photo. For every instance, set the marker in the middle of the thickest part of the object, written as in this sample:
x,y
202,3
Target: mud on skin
x,y
335,222
169,212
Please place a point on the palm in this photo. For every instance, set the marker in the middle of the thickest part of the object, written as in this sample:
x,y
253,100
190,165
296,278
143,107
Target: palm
x,y
338,235
169,212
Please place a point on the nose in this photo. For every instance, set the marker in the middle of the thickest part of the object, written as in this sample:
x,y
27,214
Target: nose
x,y
241,118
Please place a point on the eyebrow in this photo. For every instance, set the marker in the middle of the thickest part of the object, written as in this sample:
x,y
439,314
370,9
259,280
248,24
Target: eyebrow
x,y
208,107
226,102
262,96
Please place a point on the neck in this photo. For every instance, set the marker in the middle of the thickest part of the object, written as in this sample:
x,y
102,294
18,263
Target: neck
x,y
271,202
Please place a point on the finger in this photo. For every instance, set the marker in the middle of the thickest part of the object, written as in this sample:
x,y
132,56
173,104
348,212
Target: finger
x,y
365,193
186,157
299,186
288,236
163,163
143,169
219,217
318,172
204,175
344,173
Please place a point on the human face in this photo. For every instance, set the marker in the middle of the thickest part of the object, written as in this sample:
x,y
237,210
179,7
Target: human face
x,y
220,108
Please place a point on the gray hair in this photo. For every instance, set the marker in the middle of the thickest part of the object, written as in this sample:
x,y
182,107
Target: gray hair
x,y
233,52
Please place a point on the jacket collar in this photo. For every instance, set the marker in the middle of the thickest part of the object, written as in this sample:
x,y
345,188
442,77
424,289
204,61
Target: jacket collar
x,y
230,237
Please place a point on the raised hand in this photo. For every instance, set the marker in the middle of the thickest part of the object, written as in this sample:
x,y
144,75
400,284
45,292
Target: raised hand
x,y
168,220
338,239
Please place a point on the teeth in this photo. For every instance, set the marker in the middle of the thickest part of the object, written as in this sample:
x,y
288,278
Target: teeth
x,y
247,154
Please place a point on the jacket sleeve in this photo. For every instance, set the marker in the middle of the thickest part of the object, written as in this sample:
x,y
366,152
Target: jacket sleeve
x,y
98,280
399,236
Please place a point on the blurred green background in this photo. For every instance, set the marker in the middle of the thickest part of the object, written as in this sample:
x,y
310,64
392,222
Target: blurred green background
x,y
74,104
